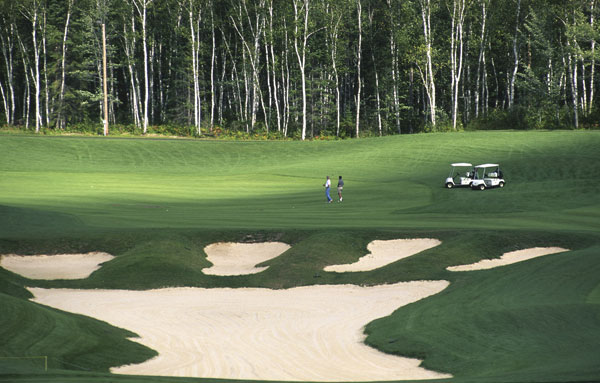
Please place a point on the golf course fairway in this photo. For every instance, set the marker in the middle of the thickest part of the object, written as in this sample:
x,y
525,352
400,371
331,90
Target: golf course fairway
x,y
155,205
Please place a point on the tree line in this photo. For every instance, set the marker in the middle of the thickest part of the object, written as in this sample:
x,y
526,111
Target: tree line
x,y
300,68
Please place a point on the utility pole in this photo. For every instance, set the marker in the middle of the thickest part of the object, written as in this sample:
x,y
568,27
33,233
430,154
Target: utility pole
x,y
104,75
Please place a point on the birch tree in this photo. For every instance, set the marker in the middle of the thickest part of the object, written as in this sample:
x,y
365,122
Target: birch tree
x,y
394,64
481,92
456,52
142,8
255,26
272,77
427,75
212,67
129,37
7,41
60,122
592,83
195,17
358,63
335,18
301,14
515,52
371,15
33,11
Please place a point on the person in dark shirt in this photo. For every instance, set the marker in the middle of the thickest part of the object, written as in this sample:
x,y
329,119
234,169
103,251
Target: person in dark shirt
x,y
340,186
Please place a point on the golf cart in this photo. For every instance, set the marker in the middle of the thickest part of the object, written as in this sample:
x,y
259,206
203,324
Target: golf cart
x,y
455,178
487,176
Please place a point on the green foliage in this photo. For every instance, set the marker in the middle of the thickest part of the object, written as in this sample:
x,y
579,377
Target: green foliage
x,y
521,118
546,34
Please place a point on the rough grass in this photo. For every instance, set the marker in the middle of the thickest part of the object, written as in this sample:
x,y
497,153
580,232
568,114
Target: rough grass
x,y
156,204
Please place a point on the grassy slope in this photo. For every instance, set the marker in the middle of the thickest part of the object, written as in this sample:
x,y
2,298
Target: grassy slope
x,y
92,184
533,321
157,203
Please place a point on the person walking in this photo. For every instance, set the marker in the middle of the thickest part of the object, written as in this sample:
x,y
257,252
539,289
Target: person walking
x,y
340,187
327,185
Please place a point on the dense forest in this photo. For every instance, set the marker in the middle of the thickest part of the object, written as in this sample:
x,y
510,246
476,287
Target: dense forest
x,y
299,68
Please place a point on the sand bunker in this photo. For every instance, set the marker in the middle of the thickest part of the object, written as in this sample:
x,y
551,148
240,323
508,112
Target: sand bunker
x,y
59,266
385,252
312,333
241,258
509,258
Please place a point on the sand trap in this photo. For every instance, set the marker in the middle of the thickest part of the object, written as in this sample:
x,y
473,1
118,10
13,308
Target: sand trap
x,y
59,266
385,252
509,258
312,333
241,258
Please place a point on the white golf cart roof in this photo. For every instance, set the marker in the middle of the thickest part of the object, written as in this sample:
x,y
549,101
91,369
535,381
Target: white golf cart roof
x,y
487,166
461,164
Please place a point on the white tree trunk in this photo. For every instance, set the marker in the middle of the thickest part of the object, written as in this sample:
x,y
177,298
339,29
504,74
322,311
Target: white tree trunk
x,y
479,97
334,39
299,6
394,55
271,51
33,15
28,73
427,76
45,69
6,39
358,63
142,8
195,35
129,52
145,47
456,53
212,70
285,83
593,55
60,124
513,77
572,73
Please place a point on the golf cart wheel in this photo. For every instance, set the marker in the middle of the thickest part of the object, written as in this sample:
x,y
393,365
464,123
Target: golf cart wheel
x,y
481,187
449,185
501,184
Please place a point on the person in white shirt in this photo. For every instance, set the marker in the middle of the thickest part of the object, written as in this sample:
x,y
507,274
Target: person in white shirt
x,y
327,185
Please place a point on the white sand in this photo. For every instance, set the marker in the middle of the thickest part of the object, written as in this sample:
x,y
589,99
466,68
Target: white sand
x,y
508,258
383,253
241,258
59,266
312,333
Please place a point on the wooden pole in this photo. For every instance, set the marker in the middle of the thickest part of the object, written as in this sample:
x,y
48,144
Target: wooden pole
x,y
104,75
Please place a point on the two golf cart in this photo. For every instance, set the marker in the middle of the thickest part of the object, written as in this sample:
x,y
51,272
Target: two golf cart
x,y
455,179
487,176
479,177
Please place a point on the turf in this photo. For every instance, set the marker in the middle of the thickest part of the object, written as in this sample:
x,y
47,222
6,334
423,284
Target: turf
x,y
155,204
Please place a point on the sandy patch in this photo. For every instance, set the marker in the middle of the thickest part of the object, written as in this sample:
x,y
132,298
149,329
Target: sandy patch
x,y
383,253
241,258
59,266
508,258
312,333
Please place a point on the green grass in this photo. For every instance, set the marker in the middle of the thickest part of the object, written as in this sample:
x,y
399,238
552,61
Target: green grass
x,y
156,203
